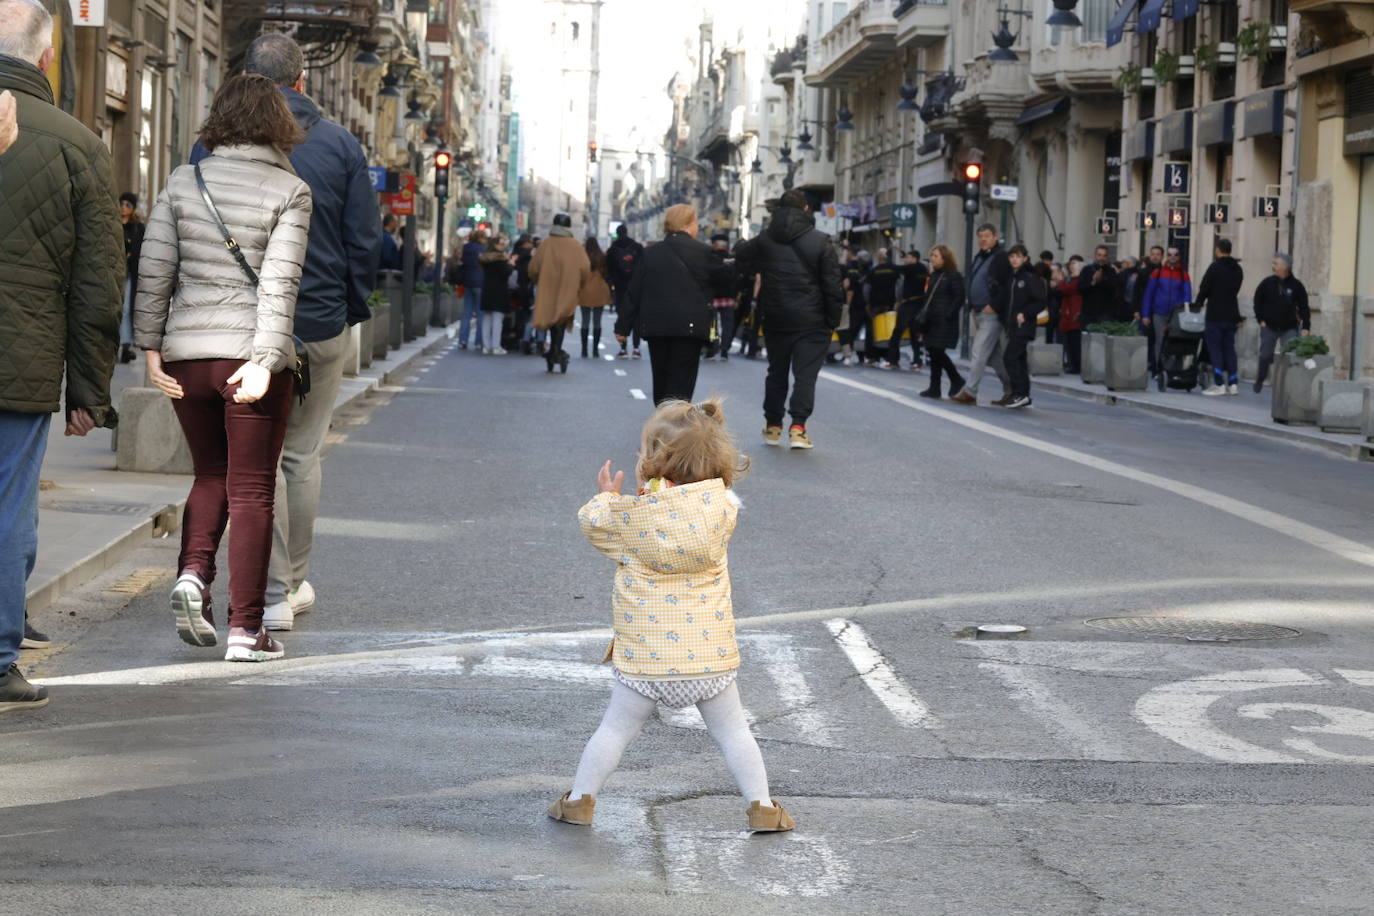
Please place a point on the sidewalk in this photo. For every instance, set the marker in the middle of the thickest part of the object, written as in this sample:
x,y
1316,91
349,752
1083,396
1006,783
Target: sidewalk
x,y
90,515
1248,412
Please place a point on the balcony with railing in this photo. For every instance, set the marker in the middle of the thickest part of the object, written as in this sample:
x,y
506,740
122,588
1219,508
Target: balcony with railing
x,y
858,46
1078,60
921,23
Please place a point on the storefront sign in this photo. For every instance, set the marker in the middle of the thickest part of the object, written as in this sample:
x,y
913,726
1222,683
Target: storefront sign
x,y
1216,123
904,216
1106,226
1218,214
1262,113
378,175
1178,178
1176,132
1006,193
403,201
1266,208
1140,142
88,13
1145,220
1359,135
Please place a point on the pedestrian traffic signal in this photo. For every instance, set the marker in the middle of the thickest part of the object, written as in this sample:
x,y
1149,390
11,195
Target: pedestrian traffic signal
x,y
972,173
442,160
591,151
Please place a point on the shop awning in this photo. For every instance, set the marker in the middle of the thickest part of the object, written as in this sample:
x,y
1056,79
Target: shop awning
x,y
1185,9
1117,26
1151,12
1036,112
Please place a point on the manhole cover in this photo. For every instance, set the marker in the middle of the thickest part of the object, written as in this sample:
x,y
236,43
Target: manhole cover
x,y
1196,629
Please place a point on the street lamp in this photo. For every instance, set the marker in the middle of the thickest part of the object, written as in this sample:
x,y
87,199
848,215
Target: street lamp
x,y
1064,15
804,142
756,168
416,112
367,55
1004,39
390,86
844,118
908,93
785,155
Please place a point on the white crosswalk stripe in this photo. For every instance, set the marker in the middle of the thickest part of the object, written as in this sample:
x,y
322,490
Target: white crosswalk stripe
x,y
875,671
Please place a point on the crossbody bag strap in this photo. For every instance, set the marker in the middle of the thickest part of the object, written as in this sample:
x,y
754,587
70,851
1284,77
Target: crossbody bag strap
x,y
229,242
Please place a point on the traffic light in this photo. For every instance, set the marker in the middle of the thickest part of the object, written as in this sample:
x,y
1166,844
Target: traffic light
x,y
972,175
442,160
591,151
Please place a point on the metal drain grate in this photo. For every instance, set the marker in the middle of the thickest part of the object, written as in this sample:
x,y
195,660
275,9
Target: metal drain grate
x,y
1194,629
99,508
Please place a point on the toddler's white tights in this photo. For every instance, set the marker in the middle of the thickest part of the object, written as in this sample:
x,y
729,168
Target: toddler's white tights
x,y
724,716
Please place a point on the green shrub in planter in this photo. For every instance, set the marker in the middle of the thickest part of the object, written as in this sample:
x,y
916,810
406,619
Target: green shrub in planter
x,y
377,298
423,289
1307,347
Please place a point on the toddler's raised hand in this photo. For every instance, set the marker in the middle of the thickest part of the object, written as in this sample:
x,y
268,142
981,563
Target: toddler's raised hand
x,y
606,483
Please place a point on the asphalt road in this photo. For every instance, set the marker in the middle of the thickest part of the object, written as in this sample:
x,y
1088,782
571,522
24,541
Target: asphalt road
x,y
436,700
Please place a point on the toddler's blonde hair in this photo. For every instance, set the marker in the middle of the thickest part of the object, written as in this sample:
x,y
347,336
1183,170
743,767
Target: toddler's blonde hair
x,y
687,443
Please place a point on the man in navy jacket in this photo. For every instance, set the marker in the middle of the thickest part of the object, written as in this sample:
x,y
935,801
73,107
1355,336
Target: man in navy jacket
x,y
340,272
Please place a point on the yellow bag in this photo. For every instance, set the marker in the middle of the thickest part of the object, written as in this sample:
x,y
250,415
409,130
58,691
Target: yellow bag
x,y
884,323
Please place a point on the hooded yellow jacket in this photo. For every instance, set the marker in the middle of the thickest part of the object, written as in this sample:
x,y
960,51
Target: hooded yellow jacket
x,y
672,607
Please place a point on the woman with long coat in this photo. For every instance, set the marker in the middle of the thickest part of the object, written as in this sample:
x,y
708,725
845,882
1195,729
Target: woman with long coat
x,y
943,308
216,332
497,265
669,303
559,268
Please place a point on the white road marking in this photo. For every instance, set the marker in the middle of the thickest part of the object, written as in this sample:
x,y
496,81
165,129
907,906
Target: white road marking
x,y
383,531
620,372
878,675
802,865
1341,721
610,358
1179,712
780,661
412,666
1041,702
1358,678
544,669
638,395
1354,551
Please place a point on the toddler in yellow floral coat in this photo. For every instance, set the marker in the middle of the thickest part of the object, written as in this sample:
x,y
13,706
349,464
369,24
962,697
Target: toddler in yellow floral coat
x,y
674,625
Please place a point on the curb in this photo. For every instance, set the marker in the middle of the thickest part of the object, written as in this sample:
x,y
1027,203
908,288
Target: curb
x,y
1355,450
168,518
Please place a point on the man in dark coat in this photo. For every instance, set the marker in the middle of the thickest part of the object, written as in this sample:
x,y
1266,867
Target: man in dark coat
x,y
1282,310
1024,298
1098,285
339,273
470,275
801,300
1219,291
622,257
62,252
988,276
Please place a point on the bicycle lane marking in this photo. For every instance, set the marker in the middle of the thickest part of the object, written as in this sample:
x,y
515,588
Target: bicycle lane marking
x,y
1342,547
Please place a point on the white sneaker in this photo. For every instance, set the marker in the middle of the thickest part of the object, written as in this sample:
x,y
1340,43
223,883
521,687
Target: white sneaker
x,y
278,616
1233,389
1214,391
252,647
302,599
497,351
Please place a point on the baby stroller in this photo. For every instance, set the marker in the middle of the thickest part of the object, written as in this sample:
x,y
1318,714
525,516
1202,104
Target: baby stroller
x,y
1179,361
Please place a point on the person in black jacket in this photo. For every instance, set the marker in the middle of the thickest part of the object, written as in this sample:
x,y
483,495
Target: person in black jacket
x,y
913,296
133,244
944,306
725,298
1282,311
1098,285
988,276
622,257
1220,291
801,299
1023,298
669,304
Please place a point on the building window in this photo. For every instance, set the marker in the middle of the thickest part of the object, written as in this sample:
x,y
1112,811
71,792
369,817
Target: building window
x,y
576,30
1095,15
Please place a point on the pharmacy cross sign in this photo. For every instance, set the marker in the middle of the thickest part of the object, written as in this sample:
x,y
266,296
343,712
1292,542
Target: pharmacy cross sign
x,y
477,212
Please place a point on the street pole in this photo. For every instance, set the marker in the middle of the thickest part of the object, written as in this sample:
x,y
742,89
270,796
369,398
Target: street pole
x,y
435,318
965,344
408,276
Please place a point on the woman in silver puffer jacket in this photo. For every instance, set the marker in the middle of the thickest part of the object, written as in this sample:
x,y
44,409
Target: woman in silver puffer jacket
x,y
219,344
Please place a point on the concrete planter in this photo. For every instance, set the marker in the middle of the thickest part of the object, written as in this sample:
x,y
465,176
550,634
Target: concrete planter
x,y
1094,358
150,440
381,330
1046,359
450,304
364,332
391,285
1367,420
1340,405
419,316
1127,363
1297,397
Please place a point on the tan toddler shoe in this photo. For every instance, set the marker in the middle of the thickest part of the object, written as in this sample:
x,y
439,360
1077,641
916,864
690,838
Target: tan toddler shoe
x,y
769,818
578,812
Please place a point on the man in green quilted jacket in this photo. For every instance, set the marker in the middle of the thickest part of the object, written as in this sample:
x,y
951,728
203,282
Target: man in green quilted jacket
x,y
62,263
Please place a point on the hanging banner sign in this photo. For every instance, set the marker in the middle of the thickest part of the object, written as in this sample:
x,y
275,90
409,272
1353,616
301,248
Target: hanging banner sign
x,y
89,13
403,202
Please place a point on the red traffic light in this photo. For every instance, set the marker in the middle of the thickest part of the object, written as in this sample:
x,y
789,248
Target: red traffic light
x,y
973,171
443,159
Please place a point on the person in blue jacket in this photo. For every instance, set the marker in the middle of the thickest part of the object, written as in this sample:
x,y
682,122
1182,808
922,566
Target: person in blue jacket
x,y
340,271
472,277
391,251
1168,288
